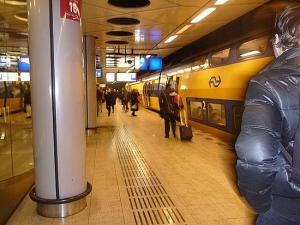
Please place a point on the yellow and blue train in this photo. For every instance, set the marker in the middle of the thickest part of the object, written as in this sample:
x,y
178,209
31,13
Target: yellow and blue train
x,y
212,85
212,74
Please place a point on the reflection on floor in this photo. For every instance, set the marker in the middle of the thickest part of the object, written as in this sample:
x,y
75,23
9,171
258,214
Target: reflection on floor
x,y
141,178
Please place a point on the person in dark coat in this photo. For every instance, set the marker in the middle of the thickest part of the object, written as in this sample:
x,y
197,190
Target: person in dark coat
x,y
134,103
166,95
109,99
125,96
269,125
100,97
114,93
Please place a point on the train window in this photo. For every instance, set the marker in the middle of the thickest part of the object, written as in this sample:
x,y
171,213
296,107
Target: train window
x,y
199,63
216,114
252,48
196,110
219,57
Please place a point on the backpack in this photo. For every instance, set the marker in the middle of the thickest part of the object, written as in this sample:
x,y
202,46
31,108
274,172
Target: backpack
x,y
295,159
296,155
172,105
178,101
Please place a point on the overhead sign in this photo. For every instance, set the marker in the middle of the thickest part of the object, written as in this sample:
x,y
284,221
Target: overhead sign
x,y
140,63
70,9
155,63
23,63
110,77
8,76
126,77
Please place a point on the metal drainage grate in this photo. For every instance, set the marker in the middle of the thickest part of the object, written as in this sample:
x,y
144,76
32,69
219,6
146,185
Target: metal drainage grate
x,y
150,203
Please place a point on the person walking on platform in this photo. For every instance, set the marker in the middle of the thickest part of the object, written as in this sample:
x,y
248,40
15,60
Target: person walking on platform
x,y
134,103
100,96
125,99
114,93
267,145
164,98
109,99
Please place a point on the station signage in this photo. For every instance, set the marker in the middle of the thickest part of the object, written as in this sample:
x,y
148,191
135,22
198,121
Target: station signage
x,y
70,9
126,77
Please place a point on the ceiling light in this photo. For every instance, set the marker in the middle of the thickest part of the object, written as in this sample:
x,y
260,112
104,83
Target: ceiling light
x,y
255,52
203,15
109,49
21,16
184,28
220,2
129,4
18,2
170,39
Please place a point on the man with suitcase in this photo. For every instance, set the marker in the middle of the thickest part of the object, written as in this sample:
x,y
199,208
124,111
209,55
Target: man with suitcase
x,y
165,98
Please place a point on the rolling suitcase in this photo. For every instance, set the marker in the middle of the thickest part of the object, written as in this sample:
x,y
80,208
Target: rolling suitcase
x,y
185,130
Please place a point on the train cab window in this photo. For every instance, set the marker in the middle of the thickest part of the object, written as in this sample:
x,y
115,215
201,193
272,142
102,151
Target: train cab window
x,y
196,109
252,48
216,114
219,57
199,63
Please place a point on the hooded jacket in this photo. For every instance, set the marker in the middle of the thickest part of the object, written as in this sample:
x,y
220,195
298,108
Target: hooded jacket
x,y
269,124
165,96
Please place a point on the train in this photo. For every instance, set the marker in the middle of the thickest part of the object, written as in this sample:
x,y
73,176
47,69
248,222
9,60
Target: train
x,y
213,83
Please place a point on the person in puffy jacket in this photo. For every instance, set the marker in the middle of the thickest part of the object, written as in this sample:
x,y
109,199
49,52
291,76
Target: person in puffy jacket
x,y
268,126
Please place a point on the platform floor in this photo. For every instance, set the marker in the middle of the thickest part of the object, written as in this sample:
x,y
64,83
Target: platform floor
x,y
141,178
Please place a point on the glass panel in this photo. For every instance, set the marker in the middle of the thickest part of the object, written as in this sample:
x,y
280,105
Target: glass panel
x,y
16,147
199,63
196,110
216,114
21,131
6,169
252,48
219,57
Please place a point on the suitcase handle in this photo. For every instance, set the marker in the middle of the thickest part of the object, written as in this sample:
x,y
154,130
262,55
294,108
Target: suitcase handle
x,y
180,115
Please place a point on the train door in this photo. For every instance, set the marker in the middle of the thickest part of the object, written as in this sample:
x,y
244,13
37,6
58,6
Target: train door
x,y
147,93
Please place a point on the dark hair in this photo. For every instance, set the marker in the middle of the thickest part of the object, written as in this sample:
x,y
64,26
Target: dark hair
x,y
287,27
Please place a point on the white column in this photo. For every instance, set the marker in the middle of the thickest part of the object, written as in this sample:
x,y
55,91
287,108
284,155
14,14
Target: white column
x,y
90,81
58,112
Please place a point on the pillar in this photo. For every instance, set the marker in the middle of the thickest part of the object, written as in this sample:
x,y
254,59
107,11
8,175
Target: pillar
x,y
90,81
58,107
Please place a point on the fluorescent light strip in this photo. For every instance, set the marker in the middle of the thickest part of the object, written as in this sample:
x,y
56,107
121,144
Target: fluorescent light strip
x,y
250,53
220,2
14,2
170,39
184,28
203,15
21,18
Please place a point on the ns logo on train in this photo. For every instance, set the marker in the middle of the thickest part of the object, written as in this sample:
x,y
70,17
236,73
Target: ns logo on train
x,y
214,81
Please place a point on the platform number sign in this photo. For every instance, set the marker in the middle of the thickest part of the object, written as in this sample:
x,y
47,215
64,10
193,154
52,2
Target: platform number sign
x,y
70,9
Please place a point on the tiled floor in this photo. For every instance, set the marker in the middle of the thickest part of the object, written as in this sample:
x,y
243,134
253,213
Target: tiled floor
x,y
141,178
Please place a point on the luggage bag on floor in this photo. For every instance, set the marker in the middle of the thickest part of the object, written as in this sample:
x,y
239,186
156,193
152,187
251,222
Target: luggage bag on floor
x,y
185,130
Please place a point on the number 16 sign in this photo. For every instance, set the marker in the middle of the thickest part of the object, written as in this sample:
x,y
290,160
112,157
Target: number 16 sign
x,y
70,9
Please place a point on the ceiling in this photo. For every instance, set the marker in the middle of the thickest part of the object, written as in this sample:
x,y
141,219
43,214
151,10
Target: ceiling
x,y
155,24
